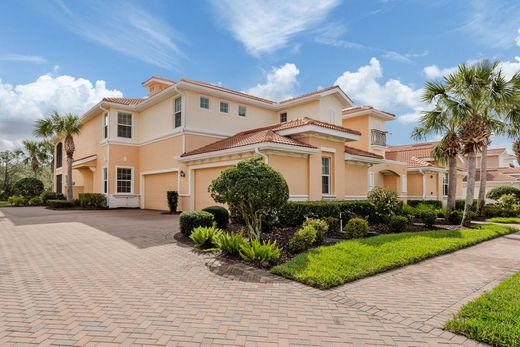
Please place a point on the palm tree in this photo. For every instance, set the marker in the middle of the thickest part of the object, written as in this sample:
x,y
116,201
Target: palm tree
x,y
441,121
36,153
58,126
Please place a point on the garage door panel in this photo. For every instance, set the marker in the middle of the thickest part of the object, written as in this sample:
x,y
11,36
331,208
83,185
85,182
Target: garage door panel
x,y
155,188
203,178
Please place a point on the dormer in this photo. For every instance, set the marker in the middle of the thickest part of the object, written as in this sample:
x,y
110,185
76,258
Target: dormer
x,y
371,123
157,84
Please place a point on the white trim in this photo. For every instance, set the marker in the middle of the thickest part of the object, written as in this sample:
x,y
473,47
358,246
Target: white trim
x,y
328,149
404,184
312,128
355,197
328,175
103,180
328,196
352,157
420,197
206,133
228,107
132,127
156,172
131,184
426,169
376,113
84,160
238,111
303,197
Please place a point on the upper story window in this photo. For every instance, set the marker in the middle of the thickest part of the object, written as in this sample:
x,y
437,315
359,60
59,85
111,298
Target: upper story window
x,y
283,117
224,107
124,125
445,185
105,126
59,155
325,175
242,111
204,102
124,180
177,117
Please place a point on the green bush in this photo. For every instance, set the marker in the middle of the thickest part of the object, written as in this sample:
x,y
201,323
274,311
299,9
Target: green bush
x,y
496,193
333,223
507,201
398,224
435,204
17,200
428,217
496,210
257,250
302,239
320,226
28,187
92,200
293,212
356,228
220,214
205,237
407,210
190,220
49,195
454,217
253,189
230,243
35,201
386,204
459,205
60,203
173,200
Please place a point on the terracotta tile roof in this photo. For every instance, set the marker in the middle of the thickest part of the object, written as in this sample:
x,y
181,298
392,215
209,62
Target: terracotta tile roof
x,y
125,101
213,86
509,170
159,78
356,151
351,110
412,154
493,151
494,175
309,94
268,134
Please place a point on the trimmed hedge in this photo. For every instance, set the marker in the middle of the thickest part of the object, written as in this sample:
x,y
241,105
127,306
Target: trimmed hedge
x,y
433,203
28,187
496,193
292,214
190,220
48,195
173,200
60,203
92,200
220,214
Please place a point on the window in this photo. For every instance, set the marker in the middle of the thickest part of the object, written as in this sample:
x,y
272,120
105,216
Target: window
x,y
124,180
105,126
124,125
325,175
242,111
177,117
283,117
224,107
105,180
445,184
59,184
59,155
204,102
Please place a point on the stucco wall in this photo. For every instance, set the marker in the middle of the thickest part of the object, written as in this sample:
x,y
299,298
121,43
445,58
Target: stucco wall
x,y
356,180
360,124
330,109
295,172
310,109
156,121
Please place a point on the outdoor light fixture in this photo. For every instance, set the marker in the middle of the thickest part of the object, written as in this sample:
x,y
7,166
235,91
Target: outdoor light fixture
x,y
182,174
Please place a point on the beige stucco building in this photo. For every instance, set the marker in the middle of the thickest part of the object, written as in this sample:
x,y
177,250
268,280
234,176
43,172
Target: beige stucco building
x,y
184,133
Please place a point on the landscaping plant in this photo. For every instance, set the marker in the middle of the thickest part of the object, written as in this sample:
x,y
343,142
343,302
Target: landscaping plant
x,y
252,188
92,200
205,237
173,200
505,220
356,228
17,200
498,192
28,187
230,243
386,204
454,217
398,224
302,239
333,223
190,220
260,251
220,214
320,226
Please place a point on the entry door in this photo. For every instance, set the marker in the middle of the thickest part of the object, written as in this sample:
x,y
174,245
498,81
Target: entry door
x,y
59,184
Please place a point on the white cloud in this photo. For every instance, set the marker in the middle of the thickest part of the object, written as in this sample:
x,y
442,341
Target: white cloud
x,y
266,26
280,83
518,38
23,58
434,72
22,104
123,27
509,68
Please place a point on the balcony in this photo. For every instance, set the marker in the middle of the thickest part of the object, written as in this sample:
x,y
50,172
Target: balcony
x,y
378,137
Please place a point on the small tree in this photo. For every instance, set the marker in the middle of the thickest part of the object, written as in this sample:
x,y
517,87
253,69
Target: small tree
x,y
253,189
386,204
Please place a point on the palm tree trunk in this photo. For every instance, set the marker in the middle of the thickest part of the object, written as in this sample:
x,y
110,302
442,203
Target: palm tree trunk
x,y
483,180
69,178
452,183
470,190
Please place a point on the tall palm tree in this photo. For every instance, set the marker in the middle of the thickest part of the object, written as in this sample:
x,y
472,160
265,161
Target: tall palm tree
x,y
61,126
36,154
441,121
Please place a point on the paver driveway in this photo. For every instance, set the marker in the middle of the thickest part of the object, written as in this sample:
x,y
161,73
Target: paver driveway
x,y
75,284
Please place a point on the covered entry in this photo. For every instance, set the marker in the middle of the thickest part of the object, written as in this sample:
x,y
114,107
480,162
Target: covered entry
x,y
155,187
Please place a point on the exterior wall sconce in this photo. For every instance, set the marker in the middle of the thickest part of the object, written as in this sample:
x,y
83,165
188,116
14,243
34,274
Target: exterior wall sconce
x,y
182,174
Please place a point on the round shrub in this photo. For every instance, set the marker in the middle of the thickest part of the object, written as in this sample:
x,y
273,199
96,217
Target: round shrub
x,y
428,217
454,217
302,239
386,204
190,220
333,223
320,226
398,224
28,187
507,200
220,214
356,228
496,193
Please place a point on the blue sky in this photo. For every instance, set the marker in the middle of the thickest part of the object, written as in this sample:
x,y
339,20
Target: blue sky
x,y
67,55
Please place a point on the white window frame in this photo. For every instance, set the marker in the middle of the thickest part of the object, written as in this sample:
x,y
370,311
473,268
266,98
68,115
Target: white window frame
x,y
283,113
209,102
175,112
445,184
131,180
371,181
104,180
106,128
126,125
245,111
220,106
328,175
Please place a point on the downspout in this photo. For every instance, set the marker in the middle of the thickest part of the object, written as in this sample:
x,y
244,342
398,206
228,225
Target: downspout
x,y
263,155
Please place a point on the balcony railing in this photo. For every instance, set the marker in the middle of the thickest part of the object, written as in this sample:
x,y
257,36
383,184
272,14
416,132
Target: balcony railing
x,y
378,137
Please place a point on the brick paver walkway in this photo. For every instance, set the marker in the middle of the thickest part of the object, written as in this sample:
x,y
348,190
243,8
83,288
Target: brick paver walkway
x,y
72,284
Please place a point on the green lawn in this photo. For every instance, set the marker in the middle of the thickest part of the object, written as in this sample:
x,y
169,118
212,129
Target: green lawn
x,y
493,318
328,266
505,220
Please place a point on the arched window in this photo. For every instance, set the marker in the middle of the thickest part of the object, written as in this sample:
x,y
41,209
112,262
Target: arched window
x,y
59,155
